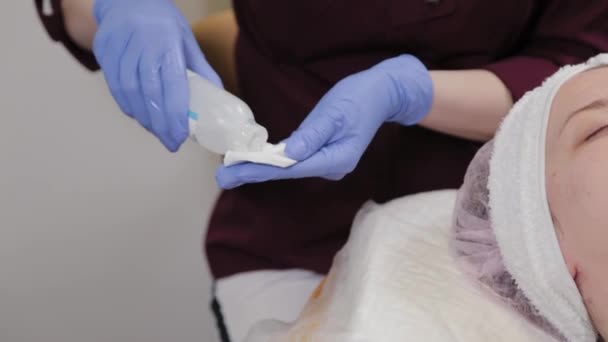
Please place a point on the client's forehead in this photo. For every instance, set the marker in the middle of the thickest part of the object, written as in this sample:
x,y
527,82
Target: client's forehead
x,y
580,91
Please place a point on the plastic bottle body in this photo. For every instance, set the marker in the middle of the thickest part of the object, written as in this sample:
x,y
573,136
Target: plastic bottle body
x,y
220,121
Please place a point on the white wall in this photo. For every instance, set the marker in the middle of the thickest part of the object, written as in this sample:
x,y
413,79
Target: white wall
x,y
100,228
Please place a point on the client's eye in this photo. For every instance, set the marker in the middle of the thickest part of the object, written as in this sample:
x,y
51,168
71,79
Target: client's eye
x,y
598,132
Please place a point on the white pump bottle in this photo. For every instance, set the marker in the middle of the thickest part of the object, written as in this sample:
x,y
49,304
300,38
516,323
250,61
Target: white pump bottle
x,y
224,124
220,121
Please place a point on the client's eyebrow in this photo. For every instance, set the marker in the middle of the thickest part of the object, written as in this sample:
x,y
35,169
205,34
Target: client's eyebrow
x,y
594,105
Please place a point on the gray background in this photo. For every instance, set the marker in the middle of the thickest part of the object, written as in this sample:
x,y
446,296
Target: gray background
x,y
100,228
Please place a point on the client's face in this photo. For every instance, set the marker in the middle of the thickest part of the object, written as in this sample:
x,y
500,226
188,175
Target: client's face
x,y
577,185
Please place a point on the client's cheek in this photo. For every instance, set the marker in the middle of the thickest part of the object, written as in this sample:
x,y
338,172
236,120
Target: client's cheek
x,y
595,297
587,189
585,214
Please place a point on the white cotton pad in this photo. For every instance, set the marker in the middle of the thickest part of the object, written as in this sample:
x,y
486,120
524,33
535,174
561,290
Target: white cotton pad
x,y
270,155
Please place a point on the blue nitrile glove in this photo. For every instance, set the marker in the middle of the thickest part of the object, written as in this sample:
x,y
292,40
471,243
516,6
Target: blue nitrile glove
x,y
331,140
144,48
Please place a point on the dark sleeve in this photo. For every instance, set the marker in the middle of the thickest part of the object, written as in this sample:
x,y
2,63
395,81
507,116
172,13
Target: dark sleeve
x,y
566,32
51,16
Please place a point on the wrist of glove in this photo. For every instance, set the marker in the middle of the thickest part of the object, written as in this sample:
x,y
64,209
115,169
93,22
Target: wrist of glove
x,y
405,89
167,7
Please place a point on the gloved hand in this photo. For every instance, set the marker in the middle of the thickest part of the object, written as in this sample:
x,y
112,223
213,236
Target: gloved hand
x,y
331,140
144,48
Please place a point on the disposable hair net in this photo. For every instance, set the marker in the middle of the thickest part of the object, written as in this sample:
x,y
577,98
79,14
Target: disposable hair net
x,y
475,244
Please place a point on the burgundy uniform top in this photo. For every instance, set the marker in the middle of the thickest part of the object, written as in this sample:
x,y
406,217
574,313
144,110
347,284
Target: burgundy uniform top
x,y
289,53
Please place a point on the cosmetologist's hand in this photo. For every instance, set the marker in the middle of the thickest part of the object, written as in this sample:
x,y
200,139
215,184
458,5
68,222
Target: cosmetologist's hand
x,y
333,137
144,48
